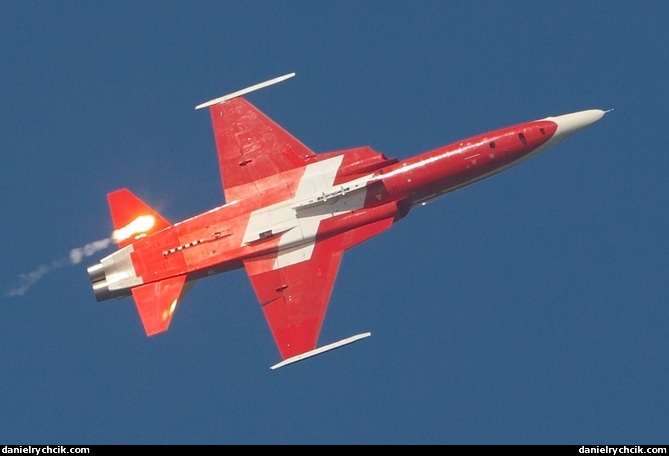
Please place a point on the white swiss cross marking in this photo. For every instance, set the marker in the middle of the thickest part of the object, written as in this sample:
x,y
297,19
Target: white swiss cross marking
x,y
316,199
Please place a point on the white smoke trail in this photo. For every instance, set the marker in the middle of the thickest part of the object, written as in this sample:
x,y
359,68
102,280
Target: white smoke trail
x,y
140,226
75,257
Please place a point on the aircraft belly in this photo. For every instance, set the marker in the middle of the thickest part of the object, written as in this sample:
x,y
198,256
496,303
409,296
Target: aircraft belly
x,y
295,221
290,215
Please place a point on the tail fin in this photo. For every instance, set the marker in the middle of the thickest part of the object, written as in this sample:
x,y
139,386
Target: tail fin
x,y
132,217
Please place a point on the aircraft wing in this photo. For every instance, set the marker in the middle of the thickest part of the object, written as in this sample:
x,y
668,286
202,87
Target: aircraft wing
x,y
294,284
253,151
295,297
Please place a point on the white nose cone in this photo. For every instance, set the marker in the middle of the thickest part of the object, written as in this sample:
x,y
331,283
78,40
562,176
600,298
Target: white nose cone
x,y
569,124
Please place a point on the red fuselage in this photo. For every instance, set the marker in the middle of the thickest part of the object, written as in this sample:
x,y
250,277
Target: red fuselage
x,y
214,241
291,214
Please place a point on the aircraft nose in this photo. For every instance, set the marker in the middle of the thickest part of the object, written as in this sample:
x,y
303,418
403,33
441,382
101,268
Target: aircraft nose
x,y
568,124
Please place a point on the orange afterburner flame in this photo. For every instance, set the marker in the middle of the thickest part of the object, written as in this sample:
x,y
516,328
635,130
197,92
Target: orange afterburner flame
x,y
139,226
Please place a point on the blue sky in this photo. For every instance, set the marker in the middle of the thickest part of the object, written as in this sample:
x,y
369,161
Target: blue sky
x,y
530,308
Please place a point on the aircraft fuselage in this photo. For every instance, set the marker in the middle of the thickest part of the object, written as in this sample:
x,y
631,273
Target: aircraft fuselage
x,y
290,214
338,192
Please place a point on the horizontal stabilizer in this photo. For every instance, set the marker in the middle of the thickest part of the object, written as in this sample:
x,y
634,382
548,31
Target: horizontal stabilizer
x,y
132,217
157,301
320,350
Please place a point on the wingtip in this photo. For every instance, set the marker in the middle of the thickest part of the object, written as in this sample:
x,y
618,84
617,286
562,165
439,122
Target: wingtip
x,y
241,92
320,350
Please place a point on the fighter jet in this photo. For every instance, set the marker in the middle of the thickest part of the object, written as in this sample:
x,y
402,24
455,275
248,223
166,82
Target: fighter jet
x,y
290,214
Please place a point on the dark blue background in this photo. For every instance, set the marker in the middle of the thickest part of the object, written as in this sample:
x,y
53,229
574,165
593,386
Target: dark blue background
x,y
530,308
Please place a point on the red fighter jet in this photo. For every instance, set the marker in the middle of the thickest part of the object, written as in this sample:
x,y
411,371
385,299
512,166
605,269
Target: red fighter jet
x,y
290,214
